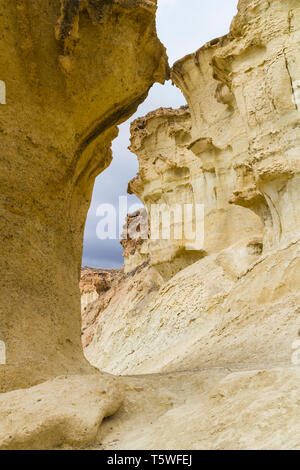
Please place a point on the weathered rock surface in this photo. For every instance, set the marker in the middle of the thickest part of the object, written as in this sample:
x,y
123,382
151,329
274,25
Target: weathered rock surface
x,y
233,304
212,409
97,287
214,324
73,70
66,411
136,231
95,282
171,174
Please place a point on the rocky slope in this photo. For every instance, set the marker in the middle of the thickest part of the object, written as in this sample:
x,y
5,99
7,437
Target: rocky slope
x,y
96,285
211,409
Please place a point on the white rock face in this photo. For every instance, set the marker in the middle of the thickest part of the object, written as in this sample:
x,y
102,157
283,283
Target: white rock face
x,y
177,171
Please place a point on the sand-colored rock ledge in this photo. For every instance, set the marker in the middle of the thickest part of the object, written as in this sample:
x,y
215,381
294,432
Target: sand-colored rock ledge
x,y
221,410
64,412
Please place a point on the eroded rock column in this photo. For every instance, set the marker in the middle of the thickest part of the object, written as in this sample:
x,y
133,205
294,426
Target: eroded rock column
x,y
72,71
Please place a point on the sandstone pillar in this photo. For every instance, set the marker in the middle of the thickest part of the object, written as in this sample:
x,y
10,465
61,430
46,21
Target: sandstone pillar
x,y
72,70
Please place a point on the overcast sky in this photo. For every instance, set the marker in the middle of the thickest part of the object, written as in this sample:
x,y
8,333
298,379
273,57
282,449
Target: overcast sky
x,y
183,26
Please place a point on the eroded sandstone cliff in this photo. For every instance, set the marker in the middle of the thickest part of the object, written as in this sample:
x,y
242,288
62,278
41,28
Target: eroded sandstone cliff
x,y
215,324
73,70
229,309
233,149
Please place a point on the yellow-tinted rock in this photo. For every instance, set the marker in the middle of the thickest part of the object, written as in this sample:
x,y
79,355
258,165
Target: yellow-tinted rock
x,y
220,410
59,413
72,70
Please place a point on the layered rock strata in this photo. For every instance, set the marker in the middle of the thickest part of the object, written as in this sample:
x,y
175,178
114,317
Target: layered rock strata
x,y
185,173
95,282
97,287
